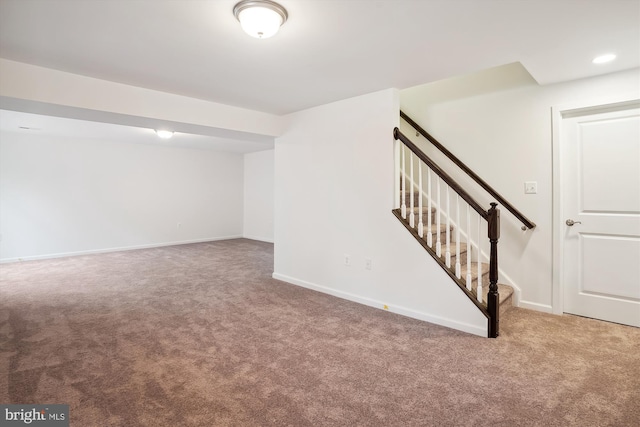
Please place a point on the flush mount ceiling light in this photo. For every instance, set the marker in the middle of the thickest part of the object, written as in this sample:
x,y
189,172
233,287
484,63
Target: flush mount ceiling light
x,y
164,134
603,59
260,18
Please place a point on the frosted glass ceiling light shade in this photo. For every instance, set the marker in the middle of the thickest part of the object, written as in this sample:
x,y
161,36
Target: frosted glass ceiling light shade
x,y
260,18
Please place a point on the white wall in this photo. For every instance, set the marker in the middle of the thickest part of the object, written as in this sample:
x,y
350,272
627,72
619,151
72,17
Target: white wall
x,y
506,137
258,195
65,195
334,177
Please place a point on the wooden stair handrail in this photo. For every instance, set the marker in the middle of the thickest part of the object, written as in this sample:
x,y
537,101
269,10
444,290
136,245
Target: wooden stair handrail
x,y
442,174
527,222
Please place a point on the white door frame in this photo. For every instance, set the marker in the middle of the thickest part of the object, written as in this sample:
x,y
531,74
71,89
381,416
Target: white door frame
x,y
558,113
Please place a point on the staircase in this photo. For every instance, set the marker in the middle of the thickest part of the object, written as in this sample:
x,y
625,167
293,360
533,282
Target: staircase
x,y
451,225
505,291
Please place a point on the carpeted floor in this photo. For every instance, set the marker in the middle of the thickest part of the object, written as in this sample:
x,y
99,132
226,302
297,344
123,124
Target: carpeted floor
x,y
200,335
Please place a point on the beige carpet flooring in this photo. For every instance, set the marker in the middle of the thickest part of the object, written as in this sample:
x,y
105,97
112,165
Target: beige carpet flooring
x,y
200,335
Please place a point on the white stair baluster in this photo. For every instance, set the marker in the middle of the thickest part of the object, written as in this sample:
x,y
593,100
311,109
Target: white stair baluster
x,y
420,225
468,247
397,182
479,258
429,197
412,216
438,213
458,274
403,192
448,233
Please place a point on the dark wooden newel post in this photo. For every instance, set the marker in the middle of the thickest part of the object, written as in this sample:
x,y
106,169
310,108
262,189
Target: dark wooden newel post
x,y
493,299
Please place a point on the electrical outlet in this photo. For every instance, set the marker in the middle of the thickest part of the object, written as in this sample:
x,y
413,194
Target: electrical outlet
x,y
347,260
367,263
530,187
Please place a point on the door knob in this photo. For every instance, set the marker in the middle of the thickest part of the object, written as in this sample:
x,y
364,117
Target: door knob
x,y
571,222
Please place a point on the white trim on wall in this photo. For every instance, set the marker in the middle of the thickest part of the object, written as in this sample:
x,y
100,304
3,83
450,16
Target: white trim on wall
x,y
259,238
125,248
404,311
545,308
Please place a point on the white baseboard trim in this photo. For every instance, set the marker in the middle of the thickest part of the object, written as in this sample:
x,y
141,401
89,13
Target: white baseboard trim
x,y
408,312
260,239
117,249
545,308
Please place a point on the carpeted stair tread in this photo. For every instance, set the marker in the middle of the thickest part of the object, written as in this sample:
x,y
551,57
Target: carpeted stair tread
x,y
425,215
433,230
463,254
505,291
416,209
484,268
416,199
506,296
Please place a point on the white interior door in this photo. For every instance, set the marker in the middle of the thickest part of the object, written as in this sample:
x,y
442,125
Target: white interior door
x,y
600,161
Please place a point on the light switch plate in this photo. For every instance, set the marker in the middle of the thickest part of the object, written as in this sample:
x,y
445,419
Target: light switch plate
x,y
530,187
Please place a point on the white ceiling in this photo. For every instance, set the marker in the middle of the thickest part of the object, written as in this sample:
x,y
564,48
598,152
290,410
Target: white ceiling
x,y
328,50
